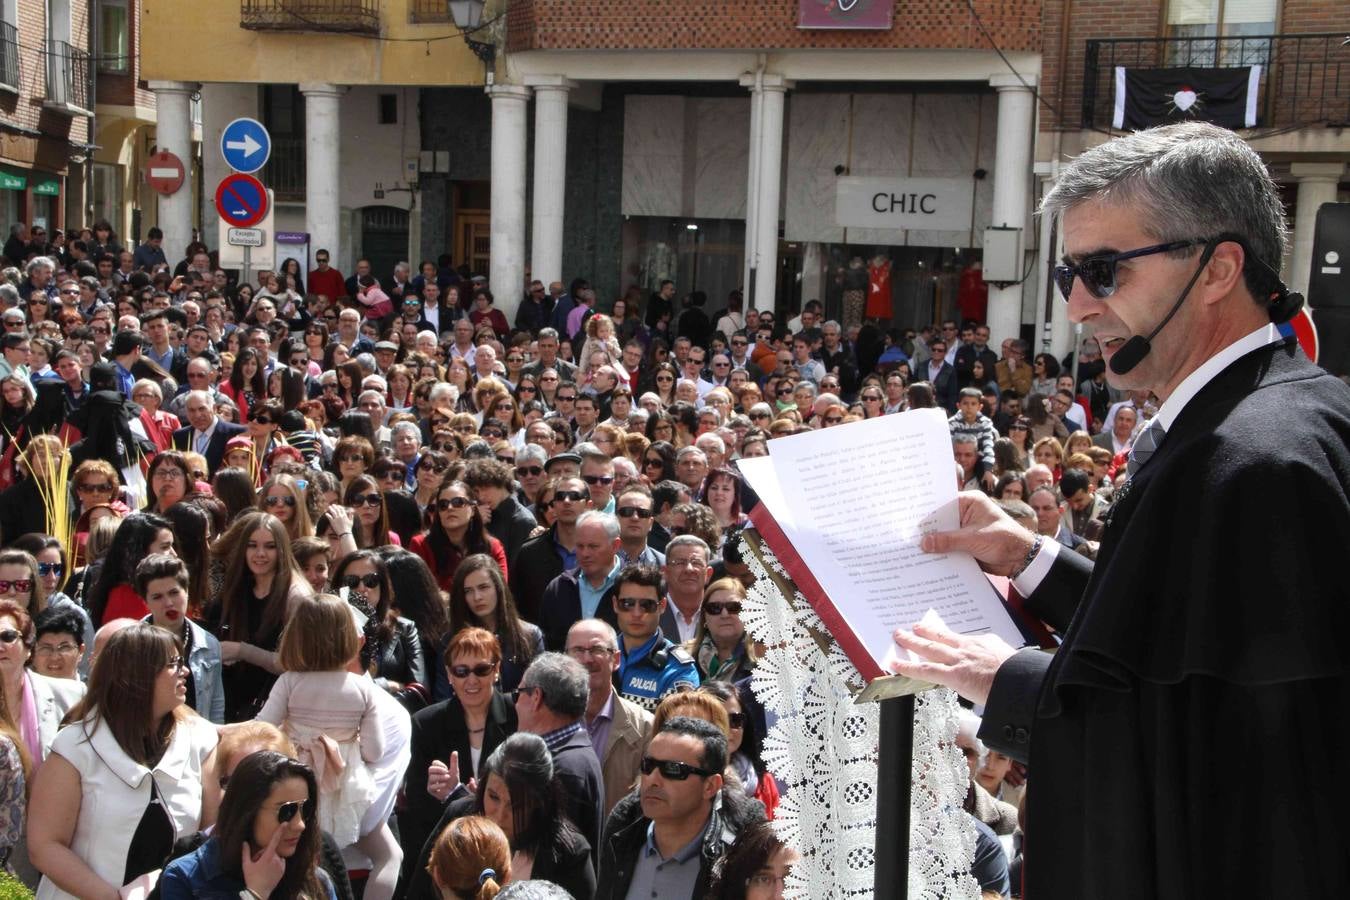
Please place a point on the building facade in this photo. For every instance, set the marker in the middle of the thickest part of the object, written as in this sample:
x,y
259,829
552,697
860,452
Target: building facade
x,y
336,83
46,102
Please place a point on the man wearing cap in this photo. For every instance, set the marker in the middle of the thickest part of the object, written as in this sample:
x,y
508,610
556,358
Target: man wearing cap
x,y
385,353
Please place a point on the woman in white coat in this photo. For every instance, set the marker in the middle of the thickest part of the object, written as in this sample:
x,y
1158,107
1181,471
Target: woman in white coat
x,y
124,780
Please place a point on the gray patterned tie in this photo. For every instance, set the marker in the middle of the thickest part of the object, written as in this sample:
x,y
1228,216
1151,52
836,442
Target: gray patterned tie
x,y
1144,446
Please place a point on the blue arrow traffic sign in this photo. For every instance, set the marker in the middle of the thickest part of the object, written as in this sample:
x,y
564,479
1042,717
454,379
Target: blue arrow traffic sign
x,y
245,145
241,200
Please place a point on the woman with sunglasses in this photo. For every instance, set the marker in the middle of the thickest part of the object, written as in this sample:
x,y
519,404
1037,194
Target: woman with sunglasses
x,y
282,496
266,840
452,740
721,646
479,598
658,463
399,658
37,703
261,584
745,743
126,777
352,457
515,367
505,411
429,474
527,387
1044,374
371,519
455,530
662,383
549,381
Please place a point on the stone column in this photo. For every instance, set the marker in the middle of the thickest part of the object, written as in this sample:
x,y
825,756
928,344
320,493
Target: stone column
x,y
322,170
173,132
550,182
751,190
1316,185
507,273
768,195
1012,191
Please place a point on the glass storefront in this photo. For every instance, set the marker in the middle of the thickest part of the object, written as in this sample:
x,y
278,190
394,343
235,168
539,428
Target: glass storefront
x,y
697,254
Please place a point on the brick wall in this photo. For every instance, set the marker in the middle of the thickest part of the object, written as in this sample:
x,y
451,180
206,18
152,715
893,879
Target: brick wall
x,y
127,89
760,24
25,109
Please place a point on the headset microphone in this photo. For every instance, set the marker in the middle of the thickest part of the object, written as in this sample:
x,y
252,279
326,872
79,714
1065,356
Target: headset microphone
x,y
1136,348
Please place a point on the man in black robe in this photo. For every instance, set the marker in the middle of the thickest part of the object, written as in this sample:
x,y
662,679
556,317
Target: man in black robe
x,y
1184,741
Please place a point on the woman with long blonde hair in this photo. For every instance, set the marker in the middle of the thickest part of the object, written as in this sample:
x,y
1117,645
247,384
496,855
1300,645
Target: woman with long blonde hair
x,y
282,496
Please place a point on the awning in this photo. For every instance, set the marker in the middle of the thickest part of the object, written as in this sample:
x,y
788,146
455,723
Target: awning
x,y
10,182
47,187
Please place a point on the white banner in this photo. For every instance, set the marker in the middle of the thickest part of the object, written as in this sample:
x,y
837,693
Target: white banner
x,y
930,204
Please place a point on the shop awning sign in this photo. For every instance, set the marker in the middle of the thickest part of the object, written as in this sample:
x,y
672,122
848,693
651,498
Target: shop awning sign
x,y
49,187
930,204
10,182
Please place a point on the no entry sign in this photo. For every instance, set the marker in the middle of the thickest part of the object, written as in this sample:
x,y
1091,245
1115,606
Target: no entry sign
x,y
241,200
165,173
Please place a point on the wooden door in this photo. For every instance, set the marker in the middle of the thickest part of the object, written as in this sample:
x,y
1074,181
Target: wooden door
x,y
473,239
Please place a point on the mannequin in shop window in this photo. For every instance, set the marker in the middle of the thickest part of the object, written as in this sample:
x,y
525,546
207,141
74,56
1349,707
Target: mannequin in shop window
x,y
878,291
855,279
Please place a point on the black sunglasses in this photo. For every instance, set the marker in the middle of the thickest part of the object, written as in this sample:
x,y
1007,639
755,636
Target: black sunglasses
x,y
1099,272
9,636
280,501
482,670
45,569
716,607
531,471
369,580
367,500
433,467
287,811
453,503
629,512
736,720
672,770
628,604
597,479
568,497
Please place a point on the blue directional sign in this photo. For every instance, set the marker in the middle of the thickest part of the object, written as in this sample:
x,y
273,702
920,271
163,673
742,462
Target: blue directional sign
x,y
245,145
241,200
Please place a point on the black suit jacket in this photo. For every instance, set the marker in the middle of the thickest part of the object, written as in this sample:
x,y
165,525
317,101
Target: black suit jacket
x,y
536,564
437,731
946,391
511,524
576,768
1208,643
215,448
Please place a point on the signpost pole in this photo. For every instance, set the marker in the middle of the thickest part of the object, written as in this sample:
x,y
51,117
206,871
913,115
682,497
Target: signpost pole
x,y
895,755
248,254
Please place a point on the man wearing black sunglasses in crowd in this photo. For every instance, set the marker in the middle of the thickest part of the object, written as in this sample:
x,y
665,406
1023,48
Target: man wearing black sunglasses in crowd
x,y
634,509
651,665
546,556
1213,617
665,839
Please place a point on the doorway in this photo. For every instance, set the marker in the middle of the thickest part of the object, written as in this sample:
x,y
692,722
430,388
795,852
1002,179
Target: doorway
x,y
384,238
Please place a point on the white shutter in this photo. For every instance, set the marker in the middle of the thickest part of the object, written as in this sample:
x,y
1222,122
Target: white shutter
x,y
1193,12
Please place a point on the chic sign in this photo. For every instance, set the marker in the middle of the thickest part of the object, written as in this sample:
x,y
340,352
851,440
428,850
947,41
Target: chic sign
x,y
931,204
845,13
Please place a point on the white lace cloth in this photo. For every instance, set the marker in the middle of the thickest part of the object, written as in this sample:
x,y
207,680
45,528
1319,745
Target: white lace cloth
x,y
823,746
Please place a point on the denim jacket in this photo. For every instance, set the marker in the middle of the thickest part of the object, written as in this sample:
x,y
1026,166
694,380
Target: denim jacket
x,y
199,875
207,678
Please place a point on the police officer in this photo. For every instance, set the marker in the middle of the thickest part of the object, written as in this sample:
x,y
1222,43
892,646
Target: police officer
x,y
650,664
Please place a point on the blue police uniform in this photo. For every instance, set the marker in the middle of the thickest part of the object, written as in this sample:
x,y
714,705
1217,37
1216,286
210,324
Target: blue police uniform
x,y
657,668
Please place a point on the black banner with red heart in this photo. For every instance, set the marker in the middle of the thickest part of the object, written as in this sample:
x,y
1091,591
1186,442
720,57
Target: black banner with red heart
x,y
1147,97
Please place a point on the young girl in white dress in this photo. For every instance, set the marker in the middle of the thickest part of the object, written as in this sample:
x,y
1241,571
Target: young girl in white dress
x,y
329,711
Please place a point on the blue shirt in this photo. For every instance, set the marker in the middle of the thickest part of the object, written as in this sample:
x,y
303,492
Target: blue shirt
x,y
642,682
125,380
199,875
591,597
568,557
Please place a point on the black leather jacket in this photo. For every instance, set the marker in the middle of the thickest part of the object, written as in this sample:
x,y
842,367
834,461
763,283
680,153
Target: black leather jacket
x,y
401,658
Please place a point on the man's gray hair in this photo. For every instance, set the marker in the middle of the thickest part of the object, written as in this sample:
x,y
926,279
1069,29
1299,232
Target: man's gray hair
x,y
148,385
964,438
624,463
546,333
562,681
711,440
441,389
690,451
532,453
39,262
533,890
807,386
711,411
406,426
367,395
603,519
689,540
1191,180
9,294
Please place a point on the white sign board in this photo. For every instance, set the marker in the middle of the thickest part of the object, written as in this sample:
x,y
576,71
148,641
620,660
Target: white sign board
x,y
246,237
930,204
262,255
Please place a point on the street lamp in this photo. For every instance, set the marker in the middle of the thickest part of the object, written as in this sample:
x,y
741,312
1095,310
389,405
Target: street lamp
x,y
468,17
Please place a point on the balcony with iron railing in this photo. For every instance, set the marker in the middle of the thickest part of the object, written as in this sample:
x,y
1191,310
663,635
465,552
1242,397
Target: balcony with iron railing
x,y
1305,78
9,57
357,16
70,79
285,169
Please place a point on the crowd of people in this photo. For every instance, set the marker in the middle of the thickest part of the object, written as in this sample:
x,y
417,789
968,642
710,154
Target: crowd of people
x,y
314,584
